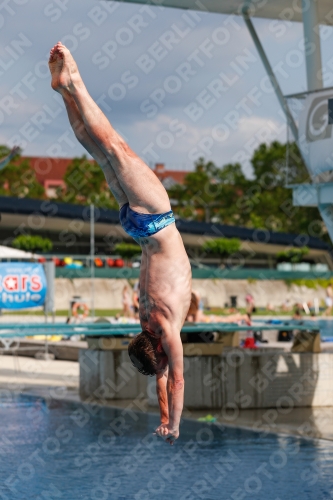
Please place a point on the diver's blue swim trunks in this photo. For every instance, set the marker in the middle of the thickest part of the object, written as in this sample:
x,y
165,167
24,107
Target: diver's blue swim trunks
x,y
142,225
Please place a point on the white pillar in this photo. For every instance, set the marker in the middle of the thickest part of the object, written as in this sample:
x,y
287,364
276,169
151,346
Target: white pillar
x,y
312,39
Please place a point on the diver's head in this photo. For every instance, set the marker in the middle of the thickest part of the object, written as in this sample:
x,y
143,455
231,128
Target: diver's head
x,y
147,354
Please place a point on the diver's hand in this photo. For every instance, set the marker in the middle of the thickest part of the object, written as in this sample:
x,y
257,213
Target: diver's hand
x,y
167,433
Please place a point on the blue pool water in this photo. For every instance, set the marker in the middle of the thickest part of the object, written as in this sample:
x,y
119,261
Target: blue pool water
x,y
326,327
51,450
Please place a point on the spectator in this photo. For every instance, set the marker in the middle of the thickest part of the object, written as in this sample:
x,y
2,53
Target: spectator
x,y
297,313
329,300
126,302
135,299
250,304
246,318
194,314
286,306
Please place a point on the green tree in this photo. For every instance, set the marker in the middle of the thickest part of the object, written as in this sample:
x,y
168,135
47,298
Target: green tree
x,y
208,191
227,196
4,150
268,202
278,164
197,197
85,184
19,179
32,243
233,185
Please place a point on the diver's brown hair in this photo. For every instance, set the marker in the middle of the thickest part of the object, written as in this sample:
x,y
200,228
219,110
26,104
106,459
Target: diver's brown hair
x,y
142,353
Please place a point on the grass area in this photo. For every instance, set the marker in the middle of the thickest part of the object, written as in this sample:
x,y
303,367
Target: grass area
x,y
113,312
259,312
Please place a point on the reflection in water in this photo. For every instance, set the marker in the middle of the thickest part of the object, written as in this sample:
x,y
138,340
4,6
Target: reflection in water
x,y
59,450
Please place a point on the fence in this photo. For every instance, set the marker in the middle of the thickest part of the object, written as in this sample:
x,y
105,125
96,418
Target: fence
x,y
213,273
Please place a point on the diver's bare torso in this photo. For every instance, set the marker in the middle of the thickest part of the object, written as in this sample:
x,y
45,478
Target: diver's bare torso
x,y
165,281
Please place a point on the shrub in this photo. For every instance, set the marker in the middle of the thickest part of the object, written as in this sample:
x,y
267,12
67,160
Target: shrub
x,y
222,247
32,243
293,255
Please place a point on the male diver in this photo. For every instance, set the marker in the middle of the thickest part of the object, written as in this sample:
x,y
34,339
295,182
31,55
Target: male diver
x,y
145,214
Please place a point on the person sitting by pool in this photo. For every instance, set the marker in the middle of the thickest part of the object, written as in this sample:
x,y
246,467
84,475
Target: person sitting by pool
x,y
250,303
196,315
329,300
126,300
145,214
135,300
297,314
4,161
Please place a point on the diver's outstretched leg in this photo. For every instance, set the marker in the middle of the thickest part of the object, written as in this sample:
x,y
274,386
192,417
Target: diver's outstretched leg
x,y
77,123
88,143
142,188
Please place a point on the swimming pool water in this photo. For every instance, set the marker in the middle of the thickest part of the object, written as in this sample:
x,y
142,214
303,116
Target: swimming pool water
x,y
326,327
51,449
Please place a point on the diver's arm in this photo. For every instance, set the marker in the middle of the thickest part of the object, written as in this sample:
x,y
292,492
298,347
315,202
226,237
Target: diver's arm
x,y
173,348
162,395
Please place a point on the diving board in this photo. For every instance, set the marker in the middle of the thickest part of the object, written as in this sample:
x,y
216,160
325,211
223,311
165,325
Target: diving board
x,y
125,330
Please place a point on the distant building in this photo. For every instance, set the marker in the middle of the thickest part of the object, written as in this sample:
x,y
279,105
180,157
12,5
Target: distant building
x,y
50,173
169,177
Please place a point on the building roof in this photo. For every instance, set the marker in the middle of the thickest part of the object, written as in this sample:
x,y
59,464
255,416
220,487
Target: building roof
x,y
54,169
177,175
171,177
47,169
53,210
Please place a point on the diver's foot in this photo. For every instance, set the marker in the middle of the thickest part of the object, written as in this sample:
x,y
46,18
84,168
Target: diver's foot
x,y
63,68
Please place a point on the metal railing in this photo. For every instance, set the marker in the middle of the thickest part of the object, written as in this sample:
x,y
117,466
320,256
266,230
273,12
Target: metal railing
x,y
207,273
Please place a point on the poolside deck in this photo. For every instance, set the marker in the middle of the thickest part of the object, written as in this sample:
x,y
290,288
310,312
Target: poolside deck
x,y
22,373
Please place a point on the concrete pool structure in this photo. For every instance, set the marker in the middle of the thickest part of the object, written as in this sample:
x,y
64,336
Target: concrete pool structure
x,y
234,380
219,375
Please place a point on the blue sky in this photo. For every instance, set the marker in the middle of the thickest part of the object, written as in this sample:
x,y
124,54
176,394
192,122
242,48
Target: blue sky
x,y
177,85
